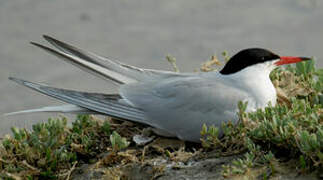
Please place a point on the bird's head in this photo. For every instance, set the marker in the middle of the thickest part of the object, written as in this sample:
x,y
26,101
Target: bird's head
x,y
257,57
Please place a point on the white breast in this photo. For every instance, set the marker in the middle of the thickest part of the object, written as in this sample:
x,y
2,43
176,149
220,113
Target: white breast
x,y
256,82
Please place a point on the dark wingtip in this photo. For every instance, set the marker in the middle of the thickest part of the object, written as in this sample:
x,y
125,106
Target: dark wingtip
x,y
33,43
12,78
17,80
52,40
48,38
41,46
57,43
25,83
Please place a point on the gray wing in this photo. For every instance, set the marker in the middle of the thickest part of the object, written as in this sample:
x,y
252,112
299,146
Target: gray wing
x,y
182,105
93,102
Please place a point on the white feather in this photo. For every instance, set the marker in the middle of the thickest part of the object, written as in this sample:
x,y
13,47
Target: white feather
x,y
67,108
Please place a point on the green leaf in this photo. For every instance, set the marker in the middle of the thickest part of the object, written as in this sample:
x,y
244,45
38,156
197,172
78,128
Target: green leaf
x,y
300,68
118,142
309,67
106,128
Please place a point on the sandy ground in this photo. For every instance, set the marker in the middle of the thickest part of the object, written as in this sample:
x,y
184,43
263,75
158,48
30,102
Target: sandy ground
x,y
140,33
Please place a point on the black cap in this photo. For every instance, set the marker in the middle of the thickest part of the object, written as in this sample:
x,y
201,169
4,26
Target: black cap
x,y
246,58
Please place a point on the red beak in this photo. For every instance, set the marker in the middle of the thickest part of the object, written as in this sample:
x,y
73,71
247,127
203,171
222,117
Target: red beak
x,y
290,60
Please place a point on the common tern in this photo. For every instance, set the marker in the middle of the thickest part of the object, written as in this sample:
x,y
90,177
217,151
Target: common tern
x,y
175,104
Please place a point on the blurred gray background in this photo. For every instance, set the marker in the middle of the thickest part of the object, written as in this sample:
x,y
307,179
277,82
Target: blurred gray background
x,y
141,33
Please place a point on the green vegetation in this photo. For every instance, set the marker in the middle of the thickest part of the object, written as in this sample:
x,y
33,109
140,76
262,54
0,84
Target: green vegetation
x,y
51,150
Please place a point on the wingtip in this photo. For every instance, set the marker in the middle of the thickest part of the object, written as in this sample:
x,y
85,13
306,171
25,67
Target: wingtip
x,y
23,82
36,44
17,80
47,37
51,39
46,48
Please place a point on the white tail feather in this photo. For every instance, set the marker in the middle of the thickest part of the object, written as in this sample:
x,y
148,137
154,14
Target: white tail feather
x,y
67,108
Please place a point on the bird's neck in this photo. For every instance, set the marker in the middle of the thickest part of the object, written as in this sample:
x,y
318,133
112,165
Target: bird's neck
x,y
256,82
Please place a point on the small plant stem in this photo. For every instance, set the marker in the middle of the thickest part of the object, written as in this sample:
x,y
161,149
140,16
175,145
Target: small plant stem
x,y
172,61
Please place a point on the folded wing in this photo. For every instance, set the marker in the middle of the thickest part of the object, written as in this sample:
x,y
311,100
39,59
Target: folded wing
x,y
193,101
111,105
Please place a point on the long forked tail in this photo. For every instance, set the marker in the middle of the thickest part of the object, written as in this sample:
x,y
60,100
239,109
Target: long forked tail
x,y
92,102
98,65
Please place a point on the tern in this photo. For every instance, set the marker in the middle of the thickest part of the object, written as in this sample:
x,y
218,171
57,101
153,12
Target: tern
x,y
174,104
